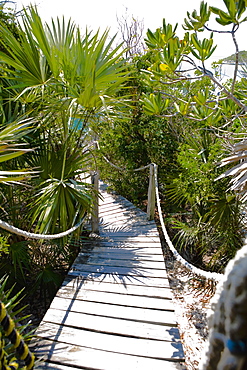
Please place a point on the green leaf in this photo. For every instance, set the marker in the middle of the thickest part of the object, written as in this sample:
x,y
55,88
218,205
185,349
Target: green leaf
x,y
235,11
195,22
154,104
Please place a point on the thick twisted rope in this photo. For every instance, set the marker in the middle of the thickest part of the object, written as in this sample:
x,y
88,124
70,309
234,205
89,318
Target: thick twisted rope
x,y
21,348
120,168
15,230
227,344
205,274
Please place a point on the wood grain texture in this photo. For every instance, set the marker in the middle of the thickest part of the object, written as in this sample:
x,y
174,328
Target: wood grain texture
x,y
60,354
110,325
75,283
114,309
157,349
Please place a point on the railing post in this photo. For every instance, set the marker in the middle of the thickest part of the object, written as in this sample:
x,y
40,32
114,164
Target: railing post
x,y
95,211
151,194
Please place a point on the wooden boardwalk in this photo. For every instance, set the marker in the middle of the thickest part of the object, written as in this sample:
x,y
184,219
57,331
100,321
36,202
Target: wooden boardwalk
x,y
114,309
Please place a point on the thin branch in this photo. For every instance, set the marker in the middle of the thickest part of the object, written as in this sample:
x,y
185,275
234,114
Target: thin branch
x,y
237,59
228,93
183,78
218,31
166,115
211,76
172,96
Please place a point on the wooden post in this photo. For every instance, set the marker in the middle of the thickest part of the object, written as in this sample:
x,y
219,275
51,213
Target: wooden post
x,y
151,194
95,211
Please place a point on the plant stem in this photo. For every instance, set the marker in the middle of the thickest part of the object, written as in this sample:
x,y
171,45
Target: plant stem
x,y
237,57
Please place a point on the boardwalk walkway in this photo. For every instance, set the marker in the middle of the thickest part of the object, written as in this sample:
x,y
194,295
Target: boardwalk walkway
x,y
114,309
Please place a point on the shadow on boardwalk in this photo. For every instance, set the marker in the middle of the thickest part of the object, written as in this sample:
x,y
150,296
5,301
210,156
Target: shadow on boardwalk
x,y
114,309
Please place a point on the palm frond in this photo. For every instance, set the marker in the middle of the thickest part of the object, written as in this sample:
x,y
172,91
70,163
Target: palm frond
x,y
59,204
10,150
238,172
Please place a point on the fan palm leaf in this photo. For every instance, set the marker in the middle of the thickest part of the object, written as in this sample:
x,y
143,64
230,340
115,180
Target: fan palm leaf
x,y
84,68
59,203
63,76
9,150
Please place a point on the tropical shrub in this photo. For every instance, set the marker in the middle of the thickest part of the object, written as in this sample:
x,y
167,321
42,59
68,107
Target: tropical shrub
x,y
64,82
180,106
209,112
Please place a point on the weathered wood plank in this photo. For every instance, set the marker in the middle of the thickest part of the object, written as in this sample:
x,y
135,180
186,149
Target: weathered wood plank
x,y
121,222
128,239
135,237
101,259
139,231
131,289
116,298
157,349
136,243
125,206
134,269
127,249
136,223
143,253
52,366
111,209
94,359
131,240
155,316
112,325
113,201
114,309
121,255
114,277
127,213
107,197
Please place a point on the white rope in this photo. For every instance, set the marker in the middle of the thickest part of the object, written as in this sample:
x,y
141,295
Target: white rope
x,y
206,274
195,270
125,169
14,230
113,165
226,347
142,168
120,168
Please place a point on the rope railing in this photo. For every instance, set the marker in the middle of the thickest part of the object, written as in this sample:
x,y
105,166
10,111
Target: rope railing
x,y
151,189
226,346
205,274
117,167
15,230
153,193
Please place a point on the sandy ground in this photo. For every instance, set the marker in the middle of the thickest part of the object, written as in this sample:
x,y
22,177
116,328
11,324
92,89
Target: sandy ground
x,y
192,303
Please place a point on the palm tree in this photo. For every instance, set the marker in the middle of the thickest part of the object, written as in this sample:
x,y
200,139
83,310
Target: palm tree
x,y
67,81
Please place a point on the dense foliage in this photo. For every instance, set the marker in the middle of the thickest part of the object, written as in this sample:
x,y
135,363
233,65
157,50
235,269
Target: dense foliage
x,y
55,84
62,90
182,119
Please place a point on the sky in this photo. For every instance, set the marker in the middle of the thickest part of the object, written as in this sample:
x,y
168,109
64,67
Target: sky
x,y
103,14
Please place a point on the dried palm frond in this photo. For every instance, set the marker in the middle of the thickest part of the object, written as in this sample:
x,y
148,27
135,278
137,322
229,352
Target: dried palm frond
x,y
239,171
